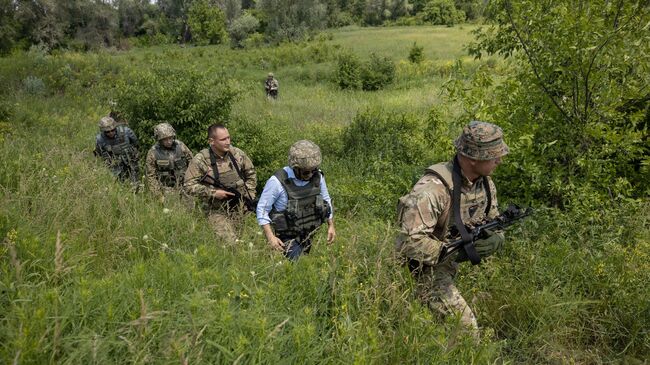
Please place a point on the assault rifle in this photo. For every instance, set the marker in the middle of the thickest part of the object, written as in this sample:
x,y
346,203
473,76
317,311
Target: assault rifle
x,y
234,200
509,217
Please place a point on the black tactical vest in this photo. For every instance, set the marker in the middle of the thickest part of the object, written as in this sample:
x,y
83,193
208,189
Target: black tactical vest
x,y
170,165
306,209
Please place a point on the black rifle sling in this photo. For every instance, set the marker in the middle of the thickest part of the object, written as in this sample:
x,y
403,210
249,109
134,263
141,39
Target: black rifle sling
x,y
467,238
213,163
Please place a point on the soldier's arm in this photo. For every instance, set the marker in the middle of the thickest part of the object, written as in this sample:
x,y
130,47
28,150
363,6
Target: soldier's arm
x,y
419,215
150,171
250,176
195,172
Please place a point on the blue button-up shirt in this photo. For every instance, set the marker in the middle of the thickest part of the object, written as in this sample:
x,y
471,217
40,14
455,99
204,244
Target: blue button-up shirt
x,y
274,196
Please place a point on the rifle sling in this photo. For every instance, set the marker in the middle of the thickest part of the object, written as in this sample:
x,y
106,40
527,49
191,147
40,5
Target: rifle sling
x,y
468,241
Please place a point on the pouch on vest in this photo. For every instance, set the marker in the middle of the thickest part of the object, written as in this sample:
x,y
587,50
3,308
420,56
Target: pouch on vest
x,y
279,221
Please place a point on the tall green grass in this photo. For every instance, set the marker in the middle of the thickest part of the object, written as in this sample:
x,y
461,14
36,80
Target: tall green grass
x,y
93,273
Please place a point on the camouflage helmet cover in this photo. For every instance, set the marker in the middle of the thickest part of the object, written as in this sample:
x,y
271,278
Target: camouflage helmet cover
x,y
304,155
107,124
163,130
481,141
270,74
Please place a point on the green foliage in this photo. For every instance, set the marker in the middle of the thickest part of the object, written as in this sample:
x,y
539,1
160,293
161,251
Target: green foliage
x,y
207,23
34,85
348,71
377,73
577,104
189,99
241,28
415,53
291,19
443,12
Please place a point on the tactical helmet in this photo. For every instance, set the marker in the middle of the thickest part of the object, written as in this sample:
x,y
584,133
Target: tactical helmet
x,y
304,155
163,130
270,74
107,124
481,141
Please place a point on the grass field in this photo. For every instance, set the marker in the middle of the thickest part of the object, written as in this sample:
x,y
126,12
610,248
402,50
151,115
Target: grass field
x,y
91,273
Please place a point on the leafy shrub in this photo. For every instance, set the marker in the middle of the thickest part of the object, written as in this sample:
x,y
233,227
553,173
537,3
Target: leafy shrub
x,y
254,40
415,53
241,28
377,73
34,85
382,155
189,99
207,23
443,12
348,71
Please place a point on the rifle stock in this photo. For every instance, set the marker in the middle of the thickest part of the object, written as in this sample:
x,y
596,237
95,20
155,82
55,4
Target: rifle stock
x,y
232,201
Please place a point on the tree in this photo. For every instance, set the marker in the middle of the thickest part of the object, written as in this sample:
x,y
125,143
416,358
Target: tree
x,y
579,92
292,19
206,22
241,28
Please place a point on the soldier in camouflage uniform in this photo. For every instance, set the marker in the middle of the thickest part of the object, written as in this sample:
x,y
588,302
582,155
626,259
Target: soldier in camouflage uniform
x,y
295,202
218,174
271,86
118,146
428,219
166,162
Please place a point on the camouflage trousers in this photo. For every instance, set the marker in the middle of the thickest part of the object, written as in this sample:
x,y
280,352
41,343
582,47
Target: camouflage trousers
x,y
436,288
225,224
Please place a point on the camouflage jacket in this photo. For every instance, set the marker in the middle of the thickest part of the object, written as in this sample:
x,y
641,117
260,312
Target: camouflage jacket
x,y
200,166
425,215
272,84
120,152
165,167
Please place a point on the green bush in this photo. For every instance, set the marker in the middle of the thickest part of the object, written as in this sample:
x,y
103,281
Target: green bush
x,y
348,71
241,28
415,53
377,73
187,98
34,85
207,23
443,12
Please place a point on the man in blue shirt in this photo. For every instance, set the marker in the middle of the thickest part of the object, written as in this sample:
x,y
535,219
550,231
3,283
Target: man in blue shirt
x,y
295,202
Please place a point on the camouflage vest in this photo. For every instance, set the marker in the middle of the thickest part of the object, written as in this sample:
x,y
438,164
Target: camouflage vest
x,y
474,208
170,165
306,208
230,179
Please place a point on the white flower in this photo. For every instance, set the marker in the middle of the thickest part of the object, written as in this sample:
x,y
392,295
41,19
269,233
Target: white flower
x,y
166,211
250,244
145,237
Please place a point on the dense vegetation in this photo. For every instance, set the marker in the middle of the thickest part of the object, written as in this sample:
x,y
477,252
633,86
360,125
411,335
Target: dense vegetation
x,y
92,24
93,273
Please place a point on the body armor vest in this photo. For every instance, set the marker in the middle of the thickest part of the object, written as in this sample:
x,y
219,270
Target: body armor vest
x,y
122,145
306,208
230,179
170,165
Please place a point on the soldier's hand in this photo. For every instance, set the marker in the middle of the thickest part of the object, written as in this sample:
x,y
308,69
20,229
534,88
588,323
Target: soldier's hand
x,y
276,243
331,234
222,194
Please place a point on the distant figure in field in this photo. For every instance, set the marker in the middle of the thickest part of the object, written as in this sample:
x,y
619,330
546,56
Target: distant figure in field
x,y
295,202
166,162
223,178
118,146
271,86
449,197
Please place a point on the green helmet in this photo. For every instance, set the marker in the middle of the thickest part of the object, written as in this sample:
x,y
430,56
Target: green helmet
x,y
304,155
107,124
270,74
481,141
163,130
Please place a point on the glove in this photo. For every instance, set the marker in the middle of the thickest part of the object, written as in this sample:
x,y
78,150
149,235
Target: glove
x,y
489,243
